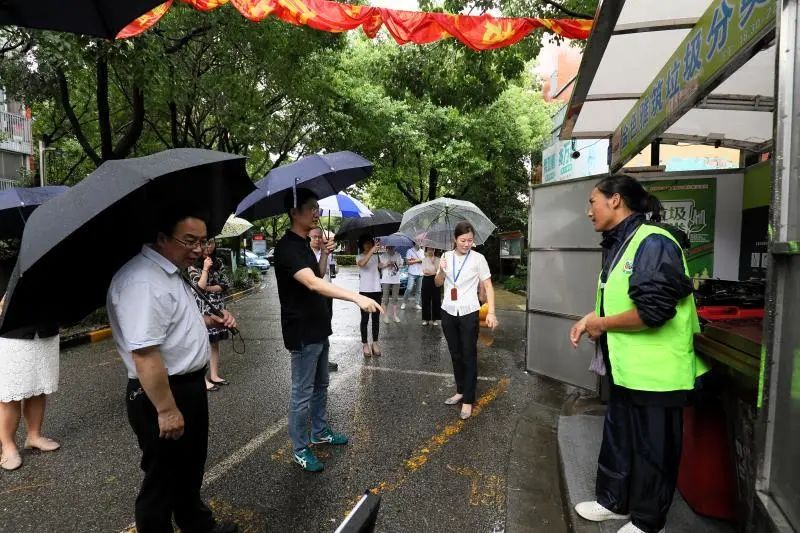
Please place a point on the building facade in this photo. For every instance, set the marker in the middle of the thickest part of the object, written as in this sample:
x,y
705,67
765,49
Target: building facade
x,y
557,68
16,145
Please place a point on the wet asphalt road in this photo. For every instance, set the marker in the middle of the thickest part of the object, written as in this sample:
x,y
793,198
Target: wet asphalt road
x,y
434,472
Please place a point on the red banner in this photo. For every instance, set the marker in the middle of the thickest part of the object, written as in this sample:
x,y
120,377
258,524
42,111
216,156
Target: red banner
x,y
482,32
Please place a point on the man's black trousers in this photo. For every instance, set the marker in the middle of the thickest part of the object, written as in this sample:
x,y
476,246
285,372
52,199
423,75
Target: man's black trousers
x,y
173,469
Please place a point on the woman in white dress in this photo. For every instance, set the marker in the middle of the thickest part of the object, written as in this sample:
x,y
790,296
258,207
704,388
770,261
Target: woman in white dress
x,y
28,372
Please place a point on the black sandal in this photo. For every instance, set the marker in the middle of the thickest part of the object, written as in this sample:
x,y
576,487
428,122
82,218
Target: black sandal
x,y
220,382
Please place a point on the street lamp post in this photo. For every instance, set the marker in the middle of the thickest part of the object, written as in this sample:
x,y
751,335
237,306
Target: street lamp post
x,y
43,149
42,180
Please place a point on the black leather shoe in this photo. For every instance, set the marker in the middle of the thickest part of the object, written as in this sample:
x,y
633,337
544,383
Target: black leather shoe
x,y
225,527
332,367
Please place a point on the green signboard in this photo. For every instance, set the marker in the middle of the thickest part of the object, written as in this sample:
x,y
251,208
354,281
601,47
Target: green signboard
x,y
722,40
690,205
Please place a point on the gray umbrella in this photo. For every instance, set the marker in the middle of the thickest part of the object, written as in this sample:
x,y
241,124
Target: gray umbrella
x,y
431,224
73,244
100,18
382,222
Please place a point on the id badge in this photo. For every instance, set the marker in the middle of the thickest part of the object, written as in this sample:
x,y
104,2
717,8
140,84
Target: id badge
x,y
454,294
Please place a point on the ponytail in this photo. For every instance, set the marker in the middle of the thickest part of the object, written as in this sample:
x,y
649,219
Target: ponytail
x,y
653,208
633,195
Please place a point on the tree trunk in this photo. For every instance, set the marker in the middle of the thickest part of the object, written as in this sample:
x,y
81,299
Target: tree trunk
x,y
406,192
433,183
131,137
64,100
173,124
103,111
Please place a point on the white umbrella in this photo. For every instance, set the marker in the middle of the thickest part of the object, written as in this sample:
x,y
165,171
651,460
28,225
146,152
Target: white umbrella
x,y
234,227
431,224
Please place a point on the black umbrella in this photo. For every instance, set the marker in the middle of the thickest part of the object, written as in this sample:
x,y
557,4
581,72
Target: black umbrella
x,y
382,222
99,18
325,174
73,244
17,204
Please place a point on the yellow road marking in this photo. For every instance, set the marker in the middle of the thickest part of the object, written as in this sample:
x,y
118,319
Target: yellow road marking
x,y
421,455
99,335
487,490
247,520
284,453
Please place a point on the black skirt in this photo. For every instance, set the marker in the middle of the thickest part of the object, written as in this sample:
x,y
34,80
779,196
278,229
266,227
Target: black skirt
x,y
218,334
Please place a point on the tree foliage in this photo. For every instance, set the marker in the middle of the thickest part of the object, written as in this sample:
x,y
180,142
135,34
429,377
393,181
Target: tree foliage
x,y
443,138
210,80
436,120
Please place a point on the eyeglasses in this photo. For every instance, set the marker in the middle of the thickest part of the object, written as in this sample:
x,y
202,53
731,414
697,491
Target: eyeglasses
x,y
193,245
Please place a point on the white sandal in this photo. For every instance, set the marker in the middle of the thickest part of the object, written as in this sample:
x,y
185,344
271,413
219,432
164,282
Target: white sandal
x,y
11,462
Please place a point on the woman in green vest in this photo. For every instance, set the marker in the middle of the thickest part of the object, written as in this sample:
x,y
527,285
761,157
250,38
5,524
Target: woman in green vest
x,y
643,325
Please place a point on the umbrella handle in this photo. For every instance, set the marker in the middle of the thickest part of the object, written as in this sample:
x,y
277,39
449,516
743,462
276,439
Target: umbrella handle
x,y
211,307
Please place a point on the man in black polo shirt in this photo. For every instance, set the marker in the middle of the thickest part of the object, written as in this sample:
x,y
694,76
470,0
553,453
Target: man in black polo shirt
x,y
306,326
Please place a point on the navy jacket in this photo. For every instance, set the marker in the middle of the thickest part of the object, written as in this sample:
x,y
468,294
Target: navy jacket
x,y
658,280
657,283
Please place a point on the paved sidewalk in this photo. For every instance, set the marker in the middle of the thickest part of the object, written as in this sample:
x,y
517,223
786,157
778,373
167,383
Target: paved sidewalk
x,y
534,497
509,301
579,438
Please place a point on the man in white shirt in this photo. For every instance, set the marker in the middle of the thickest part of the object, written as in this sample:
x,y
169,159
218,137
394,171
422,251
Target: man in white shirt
x,y
414,258
323,250
162,338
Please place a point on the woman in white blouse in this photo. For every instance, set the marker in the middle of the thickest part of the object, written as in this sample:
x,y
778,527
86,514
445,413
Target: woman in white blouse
x,y
390,281
460,271
369,284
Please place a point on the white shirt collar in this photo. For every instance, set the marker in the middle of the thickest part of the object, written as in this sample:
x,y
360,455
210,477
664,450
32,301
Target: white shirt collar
x,y
168,266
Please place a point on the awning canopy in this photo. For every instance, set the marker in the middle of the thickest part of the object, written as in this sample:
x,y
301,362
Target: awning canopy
x,y
631,43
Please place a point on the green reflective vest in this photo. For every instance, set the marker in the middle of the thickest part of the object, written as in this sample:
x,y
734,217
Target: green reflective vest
x,y
654,359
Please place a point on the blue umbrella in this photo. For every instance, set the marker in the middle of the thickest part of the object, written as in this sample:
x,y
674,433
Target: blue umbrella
x,y
325,175
398,240
17,204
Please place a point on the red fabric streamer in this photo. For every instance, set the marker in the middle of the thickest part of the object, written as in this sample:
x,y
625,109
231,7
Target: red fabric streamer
x,y
482,32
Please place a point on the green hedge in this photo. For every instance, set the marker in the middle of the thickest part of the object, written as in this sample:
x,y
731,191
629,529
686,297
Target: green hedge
x,y
244,278
345,260
515,284
254,275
